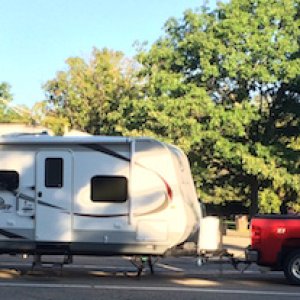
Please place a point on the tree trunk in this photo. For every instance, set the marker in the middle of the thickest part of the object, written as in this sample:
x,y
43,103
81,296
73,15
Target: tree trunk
x,y
253,196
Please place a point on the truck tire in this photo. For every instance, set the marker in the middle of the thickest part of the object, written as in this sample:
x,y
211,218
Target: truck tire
x,y
291,267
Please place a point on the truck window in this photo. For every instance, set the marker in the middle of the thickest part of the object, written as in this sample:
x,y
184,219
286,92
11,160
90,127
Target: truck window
x,y
9,180
54,172
109,189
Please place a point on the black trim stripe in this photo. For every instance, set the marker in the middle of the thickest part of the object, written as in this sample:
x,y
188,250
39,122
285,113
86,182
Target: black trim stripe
x,y
25,197
32,200
10,234
49,205
101,216
99,148
158,209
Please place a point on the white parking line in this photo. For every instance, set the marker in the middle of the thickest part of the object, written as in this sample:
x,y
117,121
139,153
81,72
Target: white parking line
x,y
169,267
150,289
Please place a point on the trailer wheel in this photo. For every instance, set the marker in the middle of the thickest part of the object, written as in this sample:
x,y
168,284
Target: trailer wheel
x,y
291,267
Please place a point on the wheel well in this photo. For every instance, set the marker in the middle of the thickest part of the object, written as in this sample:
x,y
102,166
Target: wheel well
x,y
289,246
291,266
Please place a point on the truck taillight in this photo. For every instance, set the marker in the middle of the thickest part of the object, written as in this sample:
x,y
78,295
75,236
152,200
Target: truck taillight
x,y
255,234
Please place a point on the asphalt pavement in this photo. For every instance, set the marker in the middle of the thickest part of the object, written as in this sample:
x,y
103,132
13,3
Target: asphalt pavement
x,y
115,278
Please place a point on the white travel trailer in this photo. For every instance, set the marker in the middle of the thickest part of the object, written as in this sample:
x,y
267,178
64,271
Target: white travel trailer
x,y
94,196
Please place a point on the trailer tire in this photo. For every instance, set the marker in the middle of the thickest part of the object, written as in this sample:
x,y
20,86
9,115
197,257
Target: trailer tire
x,y
291,267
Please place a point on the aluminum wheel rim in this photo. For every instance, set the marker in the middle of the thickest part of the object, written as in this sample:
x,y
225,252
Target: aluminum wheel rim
x,y
296,268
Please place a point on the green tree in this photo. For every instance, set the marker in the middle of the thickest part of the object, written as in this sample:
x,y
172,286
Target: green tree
x,y
5,98
171,120
5,91
89,90
8,112
223,85
244,50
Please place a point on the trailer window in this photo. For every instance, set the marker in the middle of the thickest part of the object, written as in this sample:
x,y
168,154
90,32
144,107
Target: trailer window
x,y
109,189
54,172
9,180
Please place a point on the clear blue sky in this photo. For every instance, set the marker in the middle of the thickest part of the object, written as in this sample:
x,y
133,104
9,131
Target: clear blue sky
x,y
37,36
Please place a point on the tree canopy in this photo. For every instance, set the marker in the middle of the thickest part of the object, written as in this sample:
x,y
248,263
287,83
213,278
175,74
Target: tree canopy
x,y
8,113
223,85
89,90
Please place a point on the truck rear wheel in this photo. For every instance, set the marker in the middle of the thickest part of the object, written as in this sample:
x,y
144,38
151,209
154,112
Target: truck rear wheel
x,y
291,267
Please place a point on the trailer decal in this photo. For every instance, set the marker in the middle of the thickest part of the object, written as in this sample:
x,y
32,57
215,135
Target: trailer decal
x,y
163,206
10,234
102,149
158,209
101,216
32,200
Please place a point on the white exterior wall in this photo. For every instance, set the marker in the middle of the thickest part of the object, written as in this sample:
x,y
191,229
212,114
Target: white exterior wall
x,y
88,164
149,216
151,169
22,162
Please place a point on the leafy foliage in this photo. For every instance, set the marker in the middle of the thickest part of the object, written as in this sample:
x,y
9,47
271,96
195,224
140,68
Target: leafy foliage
x,y
222,85
244,48
87,91
7,113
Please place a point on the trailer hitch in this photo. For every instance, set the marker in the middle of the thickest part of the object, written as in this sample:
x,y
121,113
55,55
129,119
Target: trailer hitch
x,y
222,257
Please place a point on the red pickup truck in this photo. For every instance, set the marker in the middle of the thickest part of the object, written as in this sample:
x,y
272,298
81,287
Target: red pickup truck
x,y
275,242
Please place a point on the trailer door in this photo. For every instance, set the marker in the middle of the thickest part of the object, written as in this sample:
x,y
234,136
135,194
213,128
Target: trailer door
x,y
54,196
